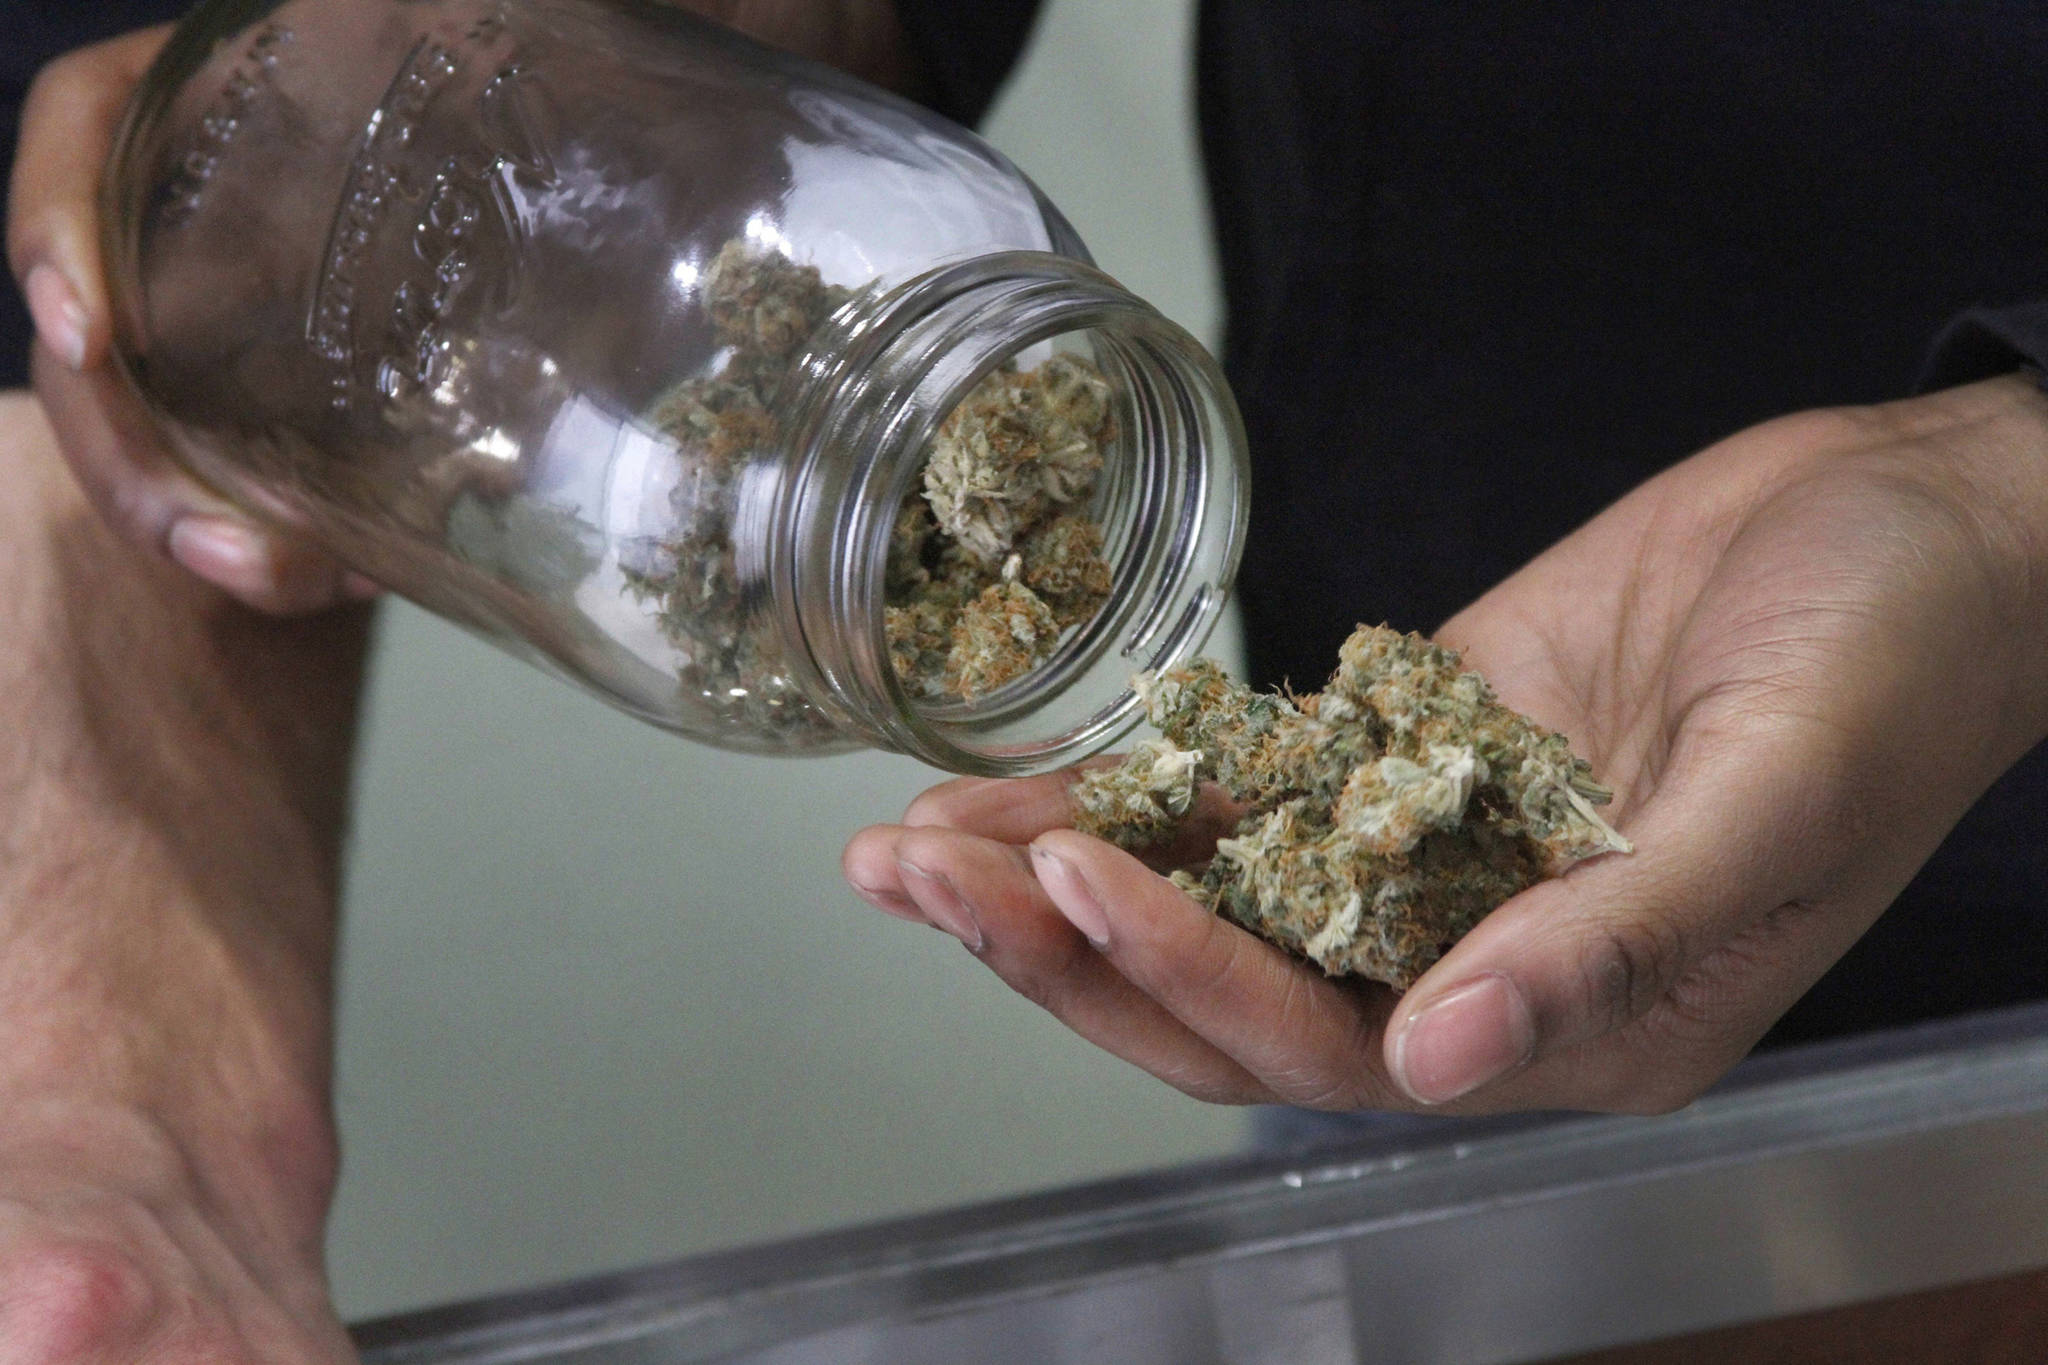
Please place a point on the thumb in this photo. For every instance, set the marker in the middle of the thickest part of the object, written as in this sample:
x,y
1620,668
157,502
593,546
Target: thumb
x,y
1635,980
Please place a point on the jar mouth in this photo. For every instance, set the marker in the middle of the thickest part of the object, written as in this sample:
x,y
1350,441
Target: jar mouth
x,y
1171,504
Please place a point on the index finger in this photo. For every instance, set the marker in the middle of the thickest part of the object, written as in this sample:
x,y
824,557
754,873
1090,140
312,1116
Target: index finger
x,y
1311,1040
1018,810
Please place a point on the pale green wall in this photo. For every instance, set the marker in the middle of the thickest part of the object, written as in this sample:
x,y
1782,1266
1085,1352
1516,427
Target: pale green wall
x,y
604,998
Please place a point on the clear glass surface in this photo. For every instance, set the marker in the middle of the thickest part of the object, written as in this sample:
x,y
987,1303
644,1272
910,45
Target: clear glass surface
x,y
1840,1173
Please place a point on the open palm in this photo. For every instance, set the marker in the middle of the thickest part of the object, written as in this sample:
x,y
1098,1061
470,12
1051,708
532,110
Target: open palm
x,y
1797,657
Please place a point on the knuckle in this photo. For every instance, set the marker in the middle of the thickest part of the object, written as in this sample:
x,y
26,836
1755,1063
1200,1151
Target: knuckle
x,y
1630,966
100,72
129,506
1828,429
1332,1072
51,80
1030,980
1211,973
933,808
1316,1088
1665,1060
1050,973
1203,1083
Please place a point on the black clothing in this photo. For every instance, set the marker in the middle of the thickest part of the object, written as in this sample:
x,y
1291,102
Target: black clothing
x,y
1488,267
1988,341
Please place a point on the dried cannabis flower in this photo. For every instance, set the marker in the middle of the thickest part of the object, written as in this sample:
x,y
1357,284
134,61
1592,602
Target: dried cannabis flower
x,y
1062,562
990,562
763,308
1021,445
1144,800
1386,816
990,559
999,636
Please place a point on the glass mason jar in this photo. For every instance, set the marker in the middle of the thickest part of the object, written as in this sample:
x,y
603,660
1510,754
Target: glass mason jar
x,y
626,342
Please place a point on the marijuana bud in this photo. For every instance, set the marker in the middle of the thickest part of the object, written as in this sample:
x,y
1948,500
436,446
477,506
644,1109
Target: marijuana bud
x,y
763,308
992,558
1062,562
1142,801
1020,446
1420,691
992,561
1386,816
1001,635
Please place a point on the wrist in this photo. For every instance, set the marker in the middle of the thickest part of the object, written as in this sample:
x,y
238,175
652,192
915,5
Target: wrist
x,y
268,1191
1984,450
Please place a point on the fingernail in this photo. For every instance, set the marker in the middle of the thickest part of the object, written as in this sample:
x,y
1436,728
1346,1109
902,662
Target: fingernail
x,y
1466,1038
229,554
358,588
943,905
889,903
60,317
1072,894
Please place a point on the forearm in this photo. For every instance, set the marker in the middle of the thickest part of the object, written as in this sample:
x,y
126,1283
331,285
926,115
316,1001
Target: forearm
x,y
859,36
172,787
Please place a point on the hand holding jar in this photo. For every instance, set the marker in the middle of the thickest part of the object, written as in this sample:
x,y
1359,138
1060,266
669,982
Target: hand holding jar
x,y
68,129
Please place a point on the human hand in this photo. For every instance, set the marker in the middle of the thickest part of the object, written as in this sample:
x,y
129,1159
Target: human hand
x,y
53,244
1797,657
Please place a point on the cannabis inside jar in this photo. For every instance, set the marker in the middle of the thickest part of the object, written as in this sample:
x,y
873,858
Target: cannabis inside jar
x,y
992,557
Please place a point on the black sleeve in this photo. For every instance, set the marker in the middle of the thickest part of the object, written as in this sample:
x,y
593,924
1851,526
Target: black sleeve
x,y
967,50
1988,341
